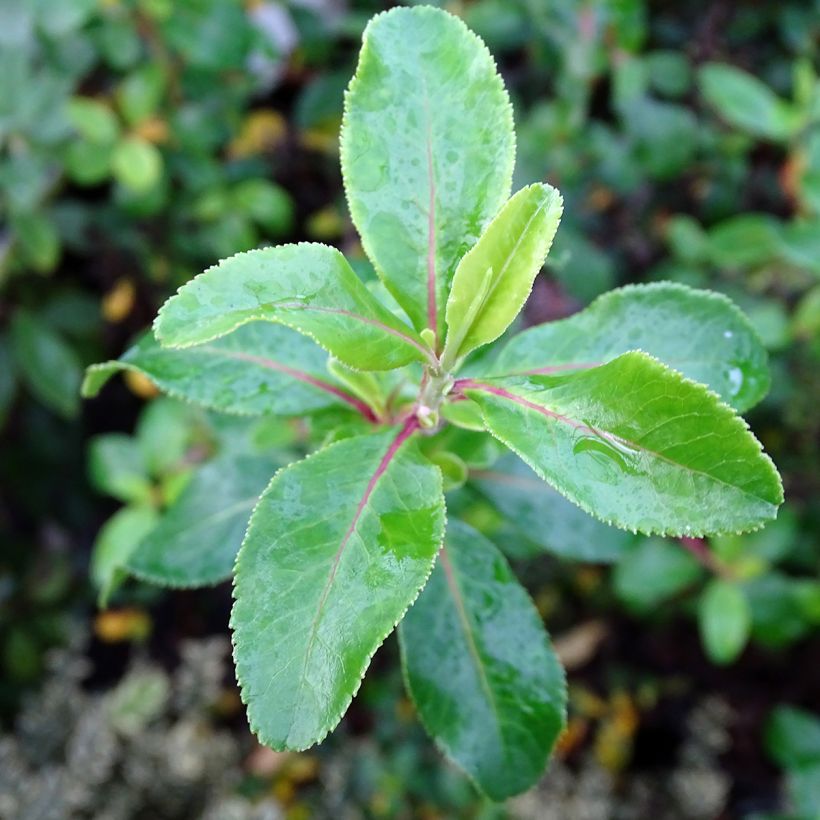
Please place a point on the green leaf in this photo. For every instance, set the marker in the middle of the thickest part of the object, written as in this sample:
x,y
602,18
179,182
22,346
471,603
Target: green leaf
x,y
427,151
747,103
140,93
93,120
792,737
117,467
196,540
337,548
137,164
745,241
8,379
47,365
258,368
480,668
308,287
725,621
803,785
118,538
545,517
700,333
653,571
494,279
635,444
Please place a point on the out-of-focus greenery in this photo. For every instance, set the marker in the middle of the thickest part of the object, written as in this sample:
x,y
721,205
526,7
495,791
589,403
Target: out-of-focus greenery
x,y
142,140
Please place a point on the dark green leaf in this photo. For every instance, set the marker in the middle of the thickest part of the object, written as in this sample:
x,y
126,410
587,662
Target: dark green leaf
x,y
793,737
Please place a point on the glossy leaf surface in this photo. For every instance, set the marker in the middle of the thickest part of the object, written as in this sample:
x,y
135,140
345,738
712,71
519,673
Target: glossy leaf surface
x,y
308,287
196,540
427,151
338,547
494,279
637,445
700,333
544,516
258,368
480,667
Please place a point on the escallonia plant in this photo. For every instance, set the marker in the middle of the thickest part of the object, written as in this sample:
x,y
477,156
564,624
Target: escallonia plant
x,y
627,409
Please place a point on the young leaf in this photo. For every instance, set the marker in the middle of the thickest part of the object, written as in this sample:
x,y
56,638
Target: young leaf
x,y
495,277
196,540
637,445
725,621
427,151
258,368
337,548
700,333
545,517
480,668
308,287
116,467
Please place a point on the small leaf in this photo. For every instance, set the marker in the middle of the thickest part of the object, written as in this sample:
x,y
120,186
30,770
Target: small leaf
x,y
338,547
700,333
257,369
793,737
494,279
137,164
196,540
545,517
427,152
93,120
164,432
308,287
117,468
725,621
118,538
747,103
480,668
46,363
637,445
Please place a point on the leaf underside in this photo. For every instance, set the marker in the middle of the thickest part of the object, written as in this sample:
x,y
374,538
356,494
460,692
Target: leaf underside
x,y
637,445
427,151
480,668
338,547
700,333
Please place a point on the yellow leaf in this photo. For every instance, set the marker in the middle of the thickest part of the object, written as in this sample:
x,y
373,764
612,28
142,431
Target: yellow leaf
x,y
118,625
140,385
263,130
119,301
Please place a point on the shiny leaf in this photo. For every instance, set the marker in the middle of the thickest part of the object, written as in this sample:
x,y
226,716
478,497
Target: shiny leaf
x,y
196,540
494,279
258,368
637,445
544,516
338,547
427,151
308,287
480,668
700,333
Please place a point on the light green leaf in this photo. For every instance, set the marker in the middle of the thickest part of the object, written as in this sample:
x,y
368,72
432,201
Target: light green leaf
x,y
307,287
137,164
117,467
118,538
46,363
164,432
257,369
725,621
427,152
337,548
480,668
545,517
637,445
747,103
196,540
700,333
494,279
93,120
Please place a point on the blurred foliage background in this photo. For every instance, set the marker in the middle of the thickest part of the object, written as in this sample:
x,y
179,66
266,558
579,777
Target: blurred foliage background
x,y
141,141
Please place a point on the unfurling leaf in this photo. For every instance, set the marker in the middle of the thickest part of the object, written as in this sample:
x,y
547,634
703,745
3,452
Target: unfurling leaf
x,y
637,445
338,547
481,669
308,287
427,151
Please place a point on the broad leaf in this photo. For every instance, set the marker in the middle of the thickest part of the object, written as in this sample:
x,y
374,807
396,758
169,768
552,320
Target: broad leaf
x,y
544,516
700,333
427,152
338,547
258,368
308,287
637,445
480,668
196,540
494,279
